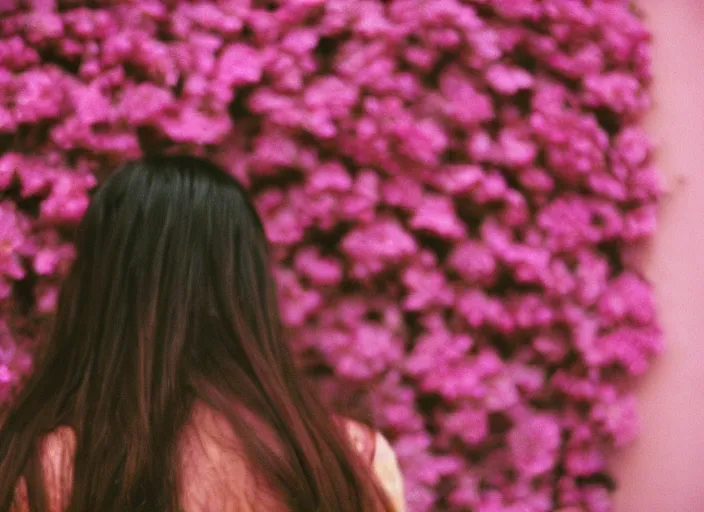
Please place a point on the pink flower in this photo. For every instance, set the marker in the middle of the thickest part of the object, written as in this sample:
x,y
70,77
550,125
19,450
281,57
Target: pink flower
x,y
360,205
239,64
320,270
67,201
445,189
619,91
47,261
375,349
592,274
16,54
457,179
491,187
466,493
520,9
597,499
47,297
436,214
402,192
640,223
90,105
537,180
329,177
534,443
469,425
474,262
508,80
274,149
332,94
630,347
193,126
465,104
628,297
571,222
12,236
375,247
207,16
39,96
297,301
478,309
422,141
516,147
552,347
143,103
427,286
283,223
584,460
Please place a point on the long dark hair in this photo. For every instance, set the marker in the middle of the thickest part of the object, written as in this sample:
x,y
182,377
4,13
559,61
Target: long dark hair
x,y
171,302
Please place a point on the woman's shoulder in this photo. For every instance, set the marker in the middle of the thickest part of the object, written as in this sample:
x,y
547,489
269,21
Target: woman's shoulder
x,y
59,446
362,438
57,451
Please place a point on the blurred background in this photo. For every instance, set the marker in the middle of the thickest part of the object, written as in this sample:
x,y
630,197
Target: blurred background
x,y
484,214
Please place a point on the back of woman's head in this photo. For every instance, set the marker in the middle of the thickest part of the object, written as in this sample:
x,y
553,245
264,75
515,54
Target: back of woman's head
x,y
171,303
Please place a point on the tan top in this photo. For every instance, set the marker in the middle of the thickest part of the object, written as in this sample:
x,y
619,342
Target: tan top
x,y
204,462
384,462
388,472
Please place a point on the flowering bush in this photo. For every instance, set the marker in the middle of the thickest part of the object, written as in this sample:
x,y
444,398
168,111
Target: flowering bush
x,y
450,187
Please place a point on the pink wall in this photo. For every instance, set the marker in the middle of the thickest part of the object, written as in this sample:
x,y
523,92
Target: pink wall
x,y
664,470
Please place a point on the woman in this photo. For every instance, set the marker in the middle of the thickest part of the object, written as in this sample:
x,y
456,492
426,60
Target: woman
x,y
167,384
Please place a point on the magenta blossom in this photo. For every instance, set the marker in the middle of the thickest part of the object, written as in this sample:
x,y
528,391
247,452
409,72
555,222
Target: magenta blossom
x,y
452,190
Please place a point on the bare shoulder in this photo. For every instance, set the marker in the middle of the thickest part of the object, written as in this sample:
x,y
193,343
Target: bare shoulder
x,y
362,438
58,449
